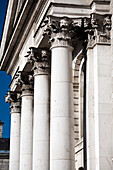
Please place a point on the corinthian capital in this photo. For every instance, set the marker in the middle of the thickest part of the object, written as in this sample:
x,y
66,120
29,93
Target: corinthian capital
x,y
14,98
25,80
100,26
58,29
65,31
40,59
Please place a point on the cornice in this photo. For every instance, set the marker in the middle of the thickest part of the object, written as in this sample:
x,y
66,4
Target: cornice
x,y
20,27
8,24
11,53
100,2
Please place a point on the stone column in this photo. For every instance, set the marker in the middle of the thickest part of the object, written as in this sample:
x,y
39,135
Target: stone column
x,y
14,99
41,128
62,154
111,11
99,106
26,141
90,111
103,106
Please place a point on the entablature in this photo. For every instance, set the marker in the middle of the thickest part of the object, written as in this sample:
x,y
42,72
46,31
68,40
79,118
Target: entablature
x,y
29,29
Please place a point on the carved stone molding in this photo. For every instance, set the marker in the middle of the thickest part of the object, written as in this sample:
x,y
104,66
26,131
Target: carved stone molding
x,y
27,88
59,30
64,31
25,81
41,68
40,60
14,98
100,27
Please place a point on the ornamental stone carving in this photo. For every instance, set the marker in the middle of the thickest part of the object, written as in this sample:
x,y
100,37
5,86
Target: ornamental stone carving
x,y
59,30
25,81
64,31
100,27
14,98
40,60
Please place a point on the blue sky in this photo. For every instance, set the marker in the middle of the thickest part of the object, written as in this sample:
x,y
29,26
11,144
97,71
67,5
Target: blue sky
x,y
4,82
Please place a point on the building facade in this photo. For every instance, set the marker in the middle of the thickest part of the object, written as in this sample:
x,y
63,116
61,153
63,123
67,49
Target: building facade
x,y
4,150
1,129
59,54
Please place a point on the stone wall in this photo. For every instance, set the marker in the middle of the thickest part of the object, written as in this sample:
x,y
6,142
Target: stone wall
x,y
4,161
4,153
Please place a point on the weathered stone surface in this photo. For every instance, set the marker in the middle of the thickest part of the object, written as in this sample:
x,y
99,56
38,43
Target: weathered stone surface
x,y
79,34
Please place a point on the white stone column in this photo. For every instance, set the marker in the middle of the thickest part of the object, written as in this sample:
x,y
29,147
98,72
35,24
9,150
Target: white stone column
x,y
15,102
99,96
41,128
103,106
90,114
62,121
111,11
62,154
26,140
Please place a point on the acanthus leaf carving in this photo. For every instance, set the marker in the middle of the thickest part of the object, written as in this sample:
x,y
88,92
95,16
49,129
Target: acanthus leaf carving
x,y
40,59
14,98
100,26
25,81
95,29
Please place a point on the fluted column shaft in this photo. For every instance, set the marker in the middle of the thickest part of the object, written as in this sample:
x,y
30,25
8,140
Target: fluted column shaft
x,y
26,128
